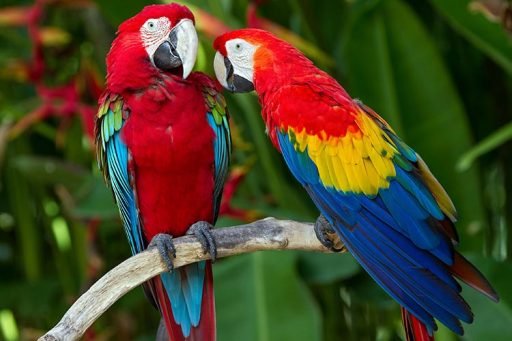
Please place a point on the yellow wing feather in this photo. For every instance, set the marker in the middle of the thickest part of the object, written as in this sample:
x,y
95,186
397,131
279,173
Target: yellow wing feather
x,y
359,162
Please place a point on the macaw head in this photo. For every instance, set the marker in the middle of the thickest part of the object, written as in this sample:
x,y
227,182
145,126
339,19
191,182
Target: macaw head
x,y
249,59
159,39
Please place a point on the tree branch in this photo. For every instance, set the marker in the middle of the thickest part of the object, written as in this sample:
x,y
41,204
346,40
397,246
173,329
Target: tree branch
x,y
266,234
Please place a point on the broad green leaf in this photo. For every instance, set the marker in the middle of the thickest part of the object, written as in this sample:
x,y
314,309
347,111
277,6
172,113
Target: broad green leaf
x,y
52,171
96,203
493,321
323,268
490,37
259,297
395,67
118,10
28,247
93,198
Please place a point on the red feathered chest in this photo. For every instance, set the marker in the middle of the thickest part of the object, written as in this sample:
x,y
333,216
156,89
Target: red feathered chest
x,y
171,145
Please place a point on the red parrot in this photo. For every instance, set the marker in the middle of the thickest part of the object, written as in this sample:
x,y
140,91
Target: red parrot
x,y
163,144
373,190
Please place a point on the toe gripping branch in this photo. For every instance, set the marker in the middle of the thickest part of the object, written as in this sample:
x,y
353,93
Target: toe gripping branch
x,y
165,245
326,234
202,231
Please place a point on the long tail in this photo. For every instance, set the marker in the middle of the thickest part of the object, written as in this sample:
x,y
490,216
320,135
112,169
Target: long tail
x,y
415,330
469,274
186,301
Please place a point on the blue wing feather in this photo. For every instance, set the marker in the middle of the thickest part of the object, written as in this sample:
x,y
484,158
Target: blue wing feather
x,y
117,156
222,152
218,119
113,158
184,287
392,237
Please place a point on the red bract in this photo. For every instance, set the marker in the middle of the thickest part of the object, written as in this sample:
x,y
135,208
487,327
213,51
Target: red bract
x,y
63,101
14,16
235,178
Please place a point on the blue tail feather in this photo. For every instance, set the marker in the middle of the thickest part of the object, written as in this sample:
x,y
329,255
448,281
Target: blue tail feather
x,y
184,288
414,254
413,276
434,291
403,287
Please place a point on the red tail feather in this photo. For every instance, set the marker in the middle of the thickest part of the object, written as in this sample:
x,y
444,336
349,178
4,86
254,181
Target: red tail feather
x,y
470,275
205,331
415,330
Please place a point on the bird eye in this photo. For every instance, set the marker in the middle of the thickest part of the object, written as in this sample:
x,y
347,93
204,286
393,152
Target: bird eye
x,y
238,47
151,25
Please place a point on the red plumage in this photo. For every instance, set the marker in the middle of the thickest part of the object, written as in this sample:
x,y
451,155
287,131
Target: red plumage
x,y
325,107
414,329
167,134
297,98
171,160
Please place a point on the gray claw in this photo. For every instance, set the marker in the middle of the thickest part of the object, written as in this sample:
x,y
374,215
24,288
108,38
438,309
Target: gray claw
x,y
165,245
202,231
322,230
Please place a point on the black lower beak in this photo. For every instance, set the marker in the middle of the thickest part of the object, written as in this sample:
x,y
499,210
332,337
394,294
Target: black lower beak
x,y
235,82
242,85
166,56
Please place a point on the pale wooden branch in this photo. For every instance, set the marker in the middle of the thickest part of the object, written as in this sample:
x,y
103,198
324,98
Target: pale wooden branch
x,y
266,234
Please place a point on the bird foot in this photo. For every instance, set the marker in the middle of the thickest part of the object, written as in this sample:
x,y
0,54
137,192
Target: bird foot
x,y
202,231
165,245
326,234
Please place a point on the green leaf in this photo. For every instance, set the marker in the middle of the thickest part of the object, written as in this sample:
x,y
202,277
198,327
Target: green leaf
x,y
323,268
488,36
491,142
259,297
93,198
118,10
96,202
493,321
52,171
28,248
394,66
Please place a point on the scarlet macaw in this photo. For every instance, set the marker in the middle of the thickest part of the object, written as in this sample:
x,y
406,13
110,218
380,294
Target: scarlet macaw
x,y
371,188
163,144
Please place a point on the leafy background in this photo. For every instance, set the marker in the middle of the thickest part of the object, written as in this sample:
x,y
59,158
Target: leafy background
x,y
438,71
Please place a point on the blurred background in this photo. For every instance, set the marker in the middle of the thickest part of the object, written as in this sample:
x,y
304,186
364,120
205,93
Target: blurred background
x,y
438,71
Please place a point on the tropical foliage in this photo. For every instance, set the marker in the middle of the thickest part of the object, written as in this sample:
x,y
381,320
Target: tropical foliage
x,y
439,71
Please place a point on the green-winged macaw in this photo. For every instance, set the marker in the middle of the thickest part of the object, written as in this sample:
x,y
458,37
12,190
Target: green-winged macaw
x,y
163,144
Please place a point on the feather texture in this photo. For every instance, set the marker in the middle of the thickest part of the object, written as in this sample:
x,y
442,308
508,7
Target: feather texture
x,y
376,191
167,170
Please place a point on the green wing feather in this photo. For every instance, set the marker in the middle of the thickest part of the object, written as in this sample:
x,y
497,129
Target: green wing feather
x,y
218,118
113,160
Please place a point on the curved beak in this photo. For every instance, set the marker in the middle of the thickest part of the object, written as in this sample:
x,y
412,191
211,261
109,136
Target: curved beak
x,y
227,76
180,49
223,71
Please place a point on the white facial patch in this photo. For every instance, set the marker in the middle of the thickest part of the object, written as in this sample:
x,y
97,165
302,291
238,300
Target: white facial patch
x,y
241,55
154,32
